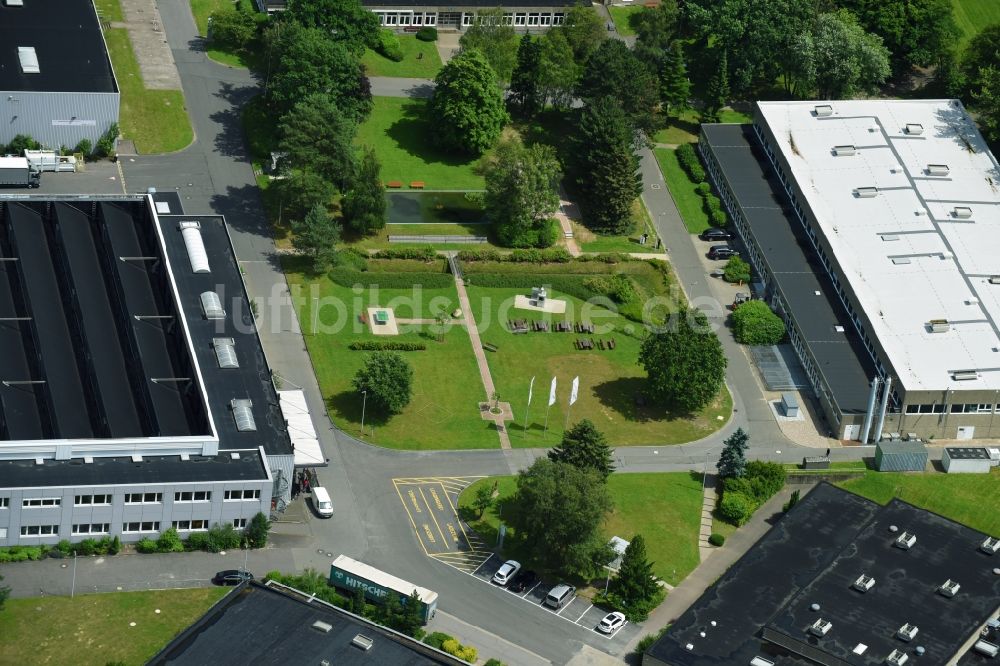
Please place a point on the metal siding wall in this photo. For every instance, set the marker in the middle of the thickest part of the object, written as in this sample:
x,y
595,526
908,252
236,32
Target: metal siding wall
x,y
282,467
32,113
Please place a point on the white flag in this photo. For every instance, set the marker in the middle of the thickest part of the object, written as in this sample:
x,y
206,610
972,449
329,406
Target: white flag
x,y
552,393
531,389
575,391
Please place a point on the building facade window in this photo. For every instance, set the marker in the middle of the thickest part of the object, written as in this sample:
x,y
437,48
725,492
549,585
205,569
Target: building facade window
x,y
35,502
140,527
3,532
520,18
546,19
925,409
430,19
92,500
92,528
39,530
4,502
468,18
241,495
557,19
193,496
970,408
533,18
190,525
418,19
239,523
143,498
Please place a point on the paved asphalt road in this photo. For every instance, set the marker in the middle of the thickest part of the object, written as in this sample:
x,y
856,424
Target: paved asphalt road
x,y
370,522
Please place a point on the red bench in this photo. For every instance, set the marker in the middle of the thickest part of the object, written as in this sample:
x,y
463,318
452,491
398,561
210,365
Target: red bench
x,y
394,184
417,185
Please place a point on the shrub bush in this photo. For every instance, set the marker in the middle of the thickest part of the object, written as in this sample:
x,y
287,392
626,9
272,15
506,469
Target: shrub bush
x,y
20,143
85,147
427,34
619,288
718,218
385,345
346,277
768,477
755,324
145,545
437,638
792,501
716,539
556,255
197,541
388,45
703,189
255,534
20,554
88,547
688,159
106,144
64,546
420,253
737,270
170,542
494,662
464,652
736,508
223,537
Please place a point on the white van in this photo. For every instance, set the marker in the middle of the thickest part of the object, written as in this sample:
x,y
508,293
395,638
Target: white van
x,y
322,502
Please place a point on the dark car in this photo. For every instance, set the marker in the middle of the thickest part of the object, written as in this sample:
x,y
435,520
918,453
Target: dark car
x,y
721,252
524,580
715,234
231,577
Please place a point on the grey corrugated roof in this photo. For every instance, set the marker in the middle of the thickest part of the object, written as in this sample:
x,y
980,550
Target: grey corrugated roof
x,y
899,446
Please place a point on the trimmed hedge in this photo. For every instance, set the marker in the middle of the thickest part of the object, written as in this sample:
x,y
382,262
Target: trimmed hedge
x,y
526,256
742,496
687,157
21,554
380,345
421,253
347,277
737,270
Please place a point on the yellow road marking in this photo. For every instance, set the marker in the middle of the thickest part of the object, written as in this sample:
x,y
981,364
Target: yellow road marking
x,y
437,500
467,540
434,518
413,498
414,524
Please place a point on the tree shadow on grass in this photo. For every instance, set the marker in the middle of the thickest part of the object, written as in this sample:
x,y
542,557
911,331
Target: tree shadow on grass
x,y
412,134
626,396
348,405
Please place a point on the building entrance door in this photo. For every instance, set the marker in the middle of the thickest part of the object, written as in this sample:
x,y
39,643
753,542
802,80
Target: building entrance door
x,y
965,432
449,19
852,431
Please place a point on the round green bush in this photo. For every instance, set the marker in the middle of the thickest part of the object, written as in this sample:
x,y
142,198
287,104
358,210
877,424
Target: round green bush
x,y
427,34
755,324
388,45
736,508
716,539
704,189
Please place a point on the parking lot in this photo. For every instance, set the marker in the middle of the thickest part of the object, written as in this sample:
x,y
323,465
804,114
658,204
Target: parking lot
x,y
579,611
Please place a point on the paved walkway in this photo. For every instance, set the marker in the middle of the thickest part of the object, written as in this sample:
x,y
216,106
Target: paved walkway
x,y
477,349
145,31
488,644
447,44
709,499
567,213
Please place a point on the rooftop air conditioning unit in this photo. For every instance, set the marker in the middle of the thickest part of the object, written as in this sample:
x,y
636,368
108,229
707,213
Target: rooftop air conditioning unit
x,y
324,627
864,583
995,279
986,648
363,642
964,375
938,170
905,541
916,129
820,627
949,588
990,546
962,212
866,192
823,110
939,325
907,632
897,658
844,151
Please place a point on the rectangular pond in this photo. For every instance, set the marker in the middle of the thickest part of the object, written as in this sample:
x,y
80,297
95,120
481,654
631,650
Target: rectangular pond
x,y
433,208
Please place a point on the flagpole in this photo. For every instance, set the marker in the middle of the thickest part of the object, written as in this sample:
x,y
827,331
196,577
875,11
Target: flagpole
x,y
574,392
552,401
546,420
566,425
531,388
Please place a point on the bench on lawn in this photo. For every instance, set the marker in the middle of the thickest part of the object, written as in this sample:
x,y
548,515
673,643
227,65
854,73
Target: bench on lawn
x,y
394,184
489,346
411,28
416,184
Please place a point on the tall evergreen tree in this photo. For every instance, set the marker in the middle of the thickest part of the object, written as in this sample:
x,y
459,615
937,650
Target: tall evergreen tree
x,y
364,203
606,167
733,461
525,96
717,93
613,71
316,235
467,110
675,87
412,616
585,446
635,587
317,136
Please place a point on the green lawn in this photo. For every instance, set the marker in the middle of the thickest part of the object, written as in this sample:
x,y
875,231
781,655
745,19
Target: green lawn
x,y
685,127
443,413
156,120
610,380
621,16
420,60
380,240
627,242
689,202
95,628
664,508
961,497
109,10
974,15
401,136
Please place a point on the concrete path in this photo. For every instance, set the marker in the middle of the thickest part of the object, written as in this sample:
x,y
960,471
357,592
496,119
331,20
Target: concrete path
x,y
447,44
567,213
145,31
709,499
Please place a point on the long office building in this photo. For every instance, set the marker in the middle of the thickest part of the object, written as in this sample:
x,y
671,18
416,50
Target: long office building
x,y
134,391
873,226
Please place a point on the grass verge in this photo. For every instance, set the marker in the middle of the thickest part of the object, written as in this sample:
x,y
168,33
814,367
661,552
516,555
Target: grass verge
x,y
664,508
94,628
420,60
588,241
684,128
622,16
974,15
959,497
684,192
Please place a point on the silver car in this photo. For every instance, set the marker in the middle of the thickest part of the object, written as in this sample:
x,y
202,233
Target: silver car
x,y
506,572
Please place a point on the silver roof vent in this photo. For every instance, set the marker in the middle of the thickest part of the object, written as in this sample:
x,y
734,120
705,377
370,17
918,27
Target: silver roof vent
x,y
866,192
29,60
897,658
864,583
949,588
905,541
820,627
991,546
823,110
844,151
964,375
324,627
363,642
916,129
938,170
939,325
907,632
962,212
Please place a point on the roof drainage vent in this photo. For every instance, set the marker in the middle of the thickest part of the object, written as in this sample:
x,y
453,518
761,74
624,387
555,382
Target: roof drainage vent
x,y
915,129
760,661
964,375
939,325
844,151
866,192
938,170
363,642
324,627
987,649
949,588
864,583
990,546
907,632
823,110
820,627
905,541
897,658
962,212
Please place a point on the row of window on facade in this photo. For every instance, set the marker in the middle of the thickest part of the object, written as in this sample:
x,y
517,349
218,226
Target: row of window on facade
x,y
958,408
136,527
136,498
405,18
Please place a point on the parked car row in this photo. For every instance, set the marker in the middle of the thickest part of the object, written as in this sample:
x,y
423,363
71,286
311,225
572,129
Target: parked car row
x,y
720,251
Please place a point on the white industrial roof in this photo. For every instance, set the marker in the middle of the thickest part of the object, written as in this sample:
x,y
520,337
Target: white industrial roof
x,y
300,429
908,255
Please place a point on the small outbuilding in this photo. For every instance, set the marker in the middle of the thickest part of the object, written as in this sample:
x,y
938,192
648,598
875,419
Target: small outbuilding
x,y
900,456
968,459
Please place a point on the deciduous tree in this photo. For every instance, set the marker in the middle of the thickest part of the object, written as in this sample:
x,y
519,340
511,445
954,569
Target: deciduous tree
x,y
364,203
495,40
525,97
732,461
584,31
558,72
233,28
521,193
585,446
316,235
467,110
848,60
301,191
987,101
684,362
345,21
981,50
388,379
614,72
754,323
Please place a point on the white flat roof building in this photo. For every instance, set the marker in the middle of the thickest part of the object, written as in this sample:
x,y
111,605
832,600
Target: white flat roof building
x,y
919,251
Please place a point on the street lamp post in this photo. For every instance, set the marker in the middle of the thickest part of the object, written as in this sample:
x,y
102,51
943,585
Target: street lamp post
x,y
72,589
704,474
364,403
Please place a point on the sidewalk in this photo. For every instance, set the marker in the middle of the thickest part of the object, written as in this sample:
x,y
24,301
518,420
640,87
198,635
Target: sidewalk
x,y
489,645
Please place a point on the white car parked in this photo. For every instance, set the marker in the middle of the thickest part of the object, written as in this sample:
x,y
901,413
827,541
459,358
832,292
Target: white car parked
x,y
610,622
506,572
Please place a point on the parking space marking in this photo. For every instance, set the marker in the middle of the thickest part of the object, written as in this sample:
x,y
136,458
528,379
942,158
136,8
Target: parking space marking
x,y
483,564
577,621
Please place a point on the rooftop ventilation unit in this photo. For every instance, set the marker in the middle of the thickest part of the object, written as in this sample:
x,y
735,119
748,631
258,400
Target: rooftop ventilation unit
x,y
962,212
938,170
986,648
964,375
916,129
897,658
995,279
901,261
243,414
990,546
907,632
864,583
211,305
860,648
29,59
939,325
14,3
363,642
949,588
325,627
889,237
225,352
191,231
866,192
905,541
820,627
844,151
760,661
823,110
